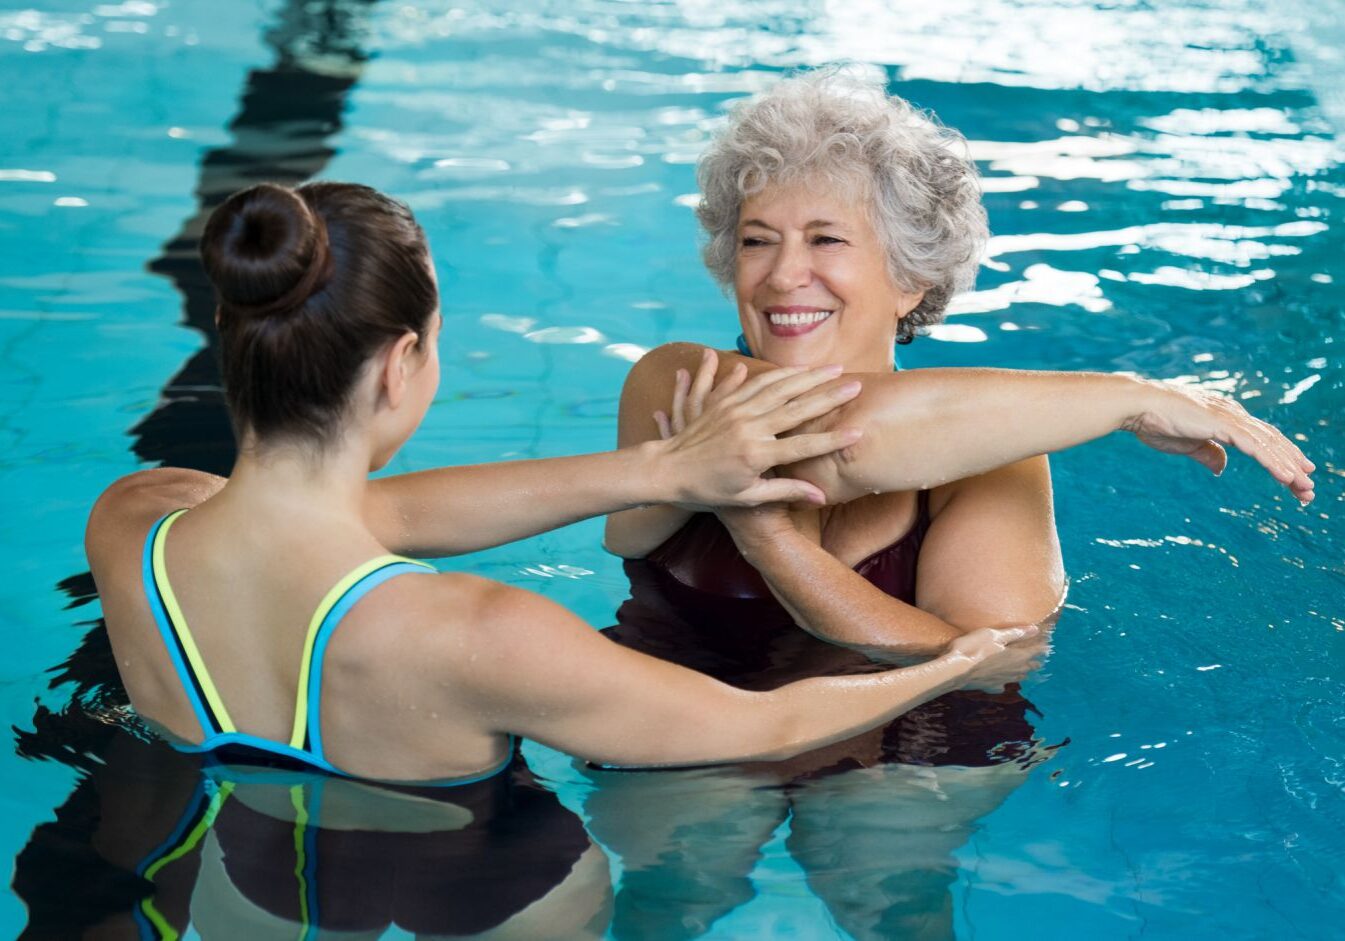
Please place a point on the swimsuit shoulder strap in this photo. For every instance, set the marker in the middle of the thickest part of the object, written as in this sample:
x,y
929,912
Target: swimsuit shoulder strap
x,y
191,669
306,733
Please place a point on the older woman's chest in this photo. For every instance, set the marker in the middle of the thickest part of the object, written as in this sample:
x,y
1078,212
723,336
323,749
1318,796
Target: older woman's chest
x,y
853,532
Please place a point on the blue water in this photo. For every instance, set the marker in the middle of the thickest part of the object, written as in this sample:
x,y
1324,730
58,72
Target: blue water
x,y
1164,185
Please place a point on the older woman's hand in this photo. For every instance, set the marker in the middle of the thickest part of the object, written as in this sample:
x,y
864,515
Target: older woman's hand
x,y
1198,424
721,440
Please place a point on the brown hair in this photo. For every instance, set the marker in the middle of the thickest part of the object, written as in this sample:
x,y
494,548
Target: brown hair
x,y
311,283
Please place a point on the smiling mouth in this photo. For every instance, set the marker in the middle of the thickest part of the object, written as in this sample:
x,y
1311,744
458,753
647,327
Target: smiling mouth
x,y
792,323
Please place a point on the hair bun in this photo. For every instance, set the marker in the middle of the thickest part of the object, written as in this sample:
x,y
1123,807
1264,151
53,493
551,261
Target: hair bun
x,y
265,251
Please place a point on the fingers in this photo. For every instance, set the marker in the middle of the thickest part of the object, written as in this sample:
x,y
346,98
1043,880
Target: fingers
x,y
703,383
681,386
802,447
765,391
1212,455
1273,451
1297,469
664,428
731,383
782,490
1010,635
812,404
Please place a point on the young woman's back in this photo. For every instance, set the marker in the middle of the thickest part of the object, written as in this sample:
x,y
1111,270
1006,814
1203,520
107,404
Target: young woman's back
x,y
247,593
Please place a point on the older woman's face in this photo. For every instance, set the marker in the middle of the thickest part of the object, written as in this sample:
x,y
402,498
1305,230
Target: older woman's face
x,y
812,282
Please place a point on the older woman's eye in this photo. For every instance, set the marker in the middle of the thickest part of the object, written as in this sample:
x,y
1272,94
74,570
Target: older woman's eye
x,y
751,241
827,240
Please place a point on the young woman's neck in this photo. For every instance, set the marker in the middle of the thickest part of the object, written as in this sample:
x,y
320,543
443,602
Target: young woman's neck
x,y
300,478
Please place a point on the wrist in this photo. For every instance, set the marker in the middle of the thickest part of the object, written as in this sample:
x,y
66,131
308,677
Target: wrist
x,y
955,667
757,543
652,474
1136,398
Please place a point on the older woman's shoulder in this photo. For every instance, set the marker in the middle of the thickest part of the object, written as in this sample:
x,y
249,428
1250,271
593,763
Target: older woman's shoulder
x,y
660,364
656,371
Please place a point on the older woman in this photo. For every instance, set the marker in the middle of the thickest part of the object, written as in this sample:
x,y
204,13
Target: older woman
x,y
844,220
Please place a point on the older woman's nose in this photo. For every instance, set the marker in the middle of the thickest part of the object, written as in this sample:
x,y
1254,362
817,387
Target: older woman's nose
x,y
792,269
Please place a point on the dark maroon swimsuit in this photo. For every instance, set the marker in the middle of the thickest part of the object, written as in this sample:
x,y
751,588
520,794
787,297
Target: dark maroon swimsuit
x,y
697,602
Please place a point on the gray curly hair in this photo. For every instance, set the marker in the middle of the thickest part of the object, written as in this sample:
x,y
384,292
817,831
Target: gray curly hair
x,y
920,185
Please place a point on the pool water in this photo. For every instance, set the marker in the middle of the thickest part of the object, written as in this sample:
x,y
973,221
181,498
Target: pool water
x,y
1164,186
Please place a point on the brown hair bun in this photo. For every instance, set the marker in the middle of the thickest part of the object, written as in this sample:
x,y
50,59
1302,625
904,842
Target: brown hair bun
x,y
265,251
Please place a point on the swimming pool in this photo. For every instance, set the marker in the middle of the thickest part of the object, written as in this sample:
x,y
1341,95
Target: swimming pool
x,y
1163,181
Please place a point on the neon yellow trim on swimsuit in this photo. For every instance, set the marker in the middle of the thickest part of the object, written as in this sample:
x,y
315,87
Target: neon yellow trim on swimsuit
x,y
300,862
166,930
184,633
329,601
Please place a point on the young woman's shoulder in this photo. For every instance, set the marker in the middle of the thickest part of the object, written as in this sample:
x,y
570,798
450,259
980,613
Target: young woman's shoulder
x,y
468,634
126,510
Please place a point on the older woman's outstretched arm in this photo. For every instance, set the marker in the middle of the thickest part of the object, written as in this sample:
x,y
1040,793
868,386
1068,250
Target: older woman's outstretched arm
x,y
926,427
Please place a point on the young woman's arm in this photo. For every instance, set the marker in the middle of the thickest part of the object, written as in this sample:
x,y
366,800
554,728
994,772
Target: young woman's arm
x,y
540,672
714,462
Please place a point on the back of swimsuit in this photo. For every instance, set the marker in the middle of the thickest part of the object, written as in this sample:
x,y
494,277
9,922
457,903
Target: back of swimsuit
x,y
223,741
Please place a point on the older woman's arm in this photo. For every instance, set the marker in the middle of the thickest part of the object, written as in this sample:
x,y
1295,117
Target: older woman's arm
x,y
930,426
927,427
990,558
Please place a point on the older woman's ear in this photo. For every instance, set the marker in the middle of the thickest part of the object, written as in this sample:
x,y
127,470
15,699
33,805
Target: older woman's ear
x,y
908,303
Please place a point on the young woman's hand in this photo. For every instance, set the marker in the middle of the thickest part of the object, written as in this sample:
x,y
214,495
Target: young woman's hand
x,y
720,441
999,656
1199,424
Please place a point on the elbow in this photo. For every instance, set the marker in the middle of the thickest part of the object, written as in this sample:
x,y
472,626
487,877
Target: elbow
x,y
612,541
621,537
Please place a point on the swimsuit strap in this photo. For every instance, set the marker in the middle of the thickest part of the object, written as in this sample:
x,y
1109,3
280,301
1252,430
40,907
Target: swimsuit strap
x,y
205,699
200,688
306,733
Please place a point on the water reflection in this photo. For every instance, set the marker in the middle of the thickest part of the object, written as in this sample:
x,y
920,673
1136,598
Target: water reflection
x,y
162,847
877,845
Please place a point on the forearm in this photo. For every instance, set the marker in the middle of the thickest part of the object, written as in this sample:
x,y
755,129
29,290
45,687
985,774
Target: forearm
x,y
452,510
927,427
634,533
834,603
816,712
722,724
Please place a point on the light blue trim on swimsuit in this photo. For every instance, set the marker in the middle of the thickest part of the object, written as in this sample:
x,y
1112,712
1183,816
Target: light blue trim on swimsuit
x,y
221,739
316,757
328,627
166,630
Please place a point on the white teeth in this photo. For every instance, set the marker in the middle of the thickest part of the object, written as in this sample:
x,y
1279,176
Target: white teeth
x,y
798,320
